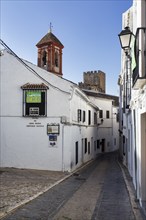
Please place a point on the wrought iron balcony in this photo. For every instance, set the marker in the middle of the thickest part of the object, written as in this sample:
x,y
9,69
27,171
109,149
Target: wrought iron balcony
x,y
139,73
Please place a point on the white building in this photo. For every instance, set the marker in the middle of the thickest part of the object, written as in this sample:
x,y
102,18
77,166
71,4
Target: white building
x,y
108,120
47,122
132,83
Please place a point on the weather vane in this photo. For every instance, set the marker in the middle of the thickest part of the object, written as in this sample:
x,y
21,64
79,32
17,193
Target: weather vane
x,y
51,27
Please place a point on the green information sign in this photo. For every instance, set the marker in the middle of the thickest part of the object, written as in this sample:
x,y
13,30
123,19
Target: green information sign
x,y
33,97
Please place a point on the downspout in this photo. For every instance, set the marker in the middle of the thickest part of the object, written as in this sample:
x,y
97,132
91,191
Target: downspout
x,y
63,166
135,151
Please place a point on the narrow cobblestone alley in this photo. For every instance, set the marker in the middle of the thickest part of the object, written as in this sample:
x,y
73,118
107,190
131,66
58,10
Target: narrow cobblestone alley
x,y
97,192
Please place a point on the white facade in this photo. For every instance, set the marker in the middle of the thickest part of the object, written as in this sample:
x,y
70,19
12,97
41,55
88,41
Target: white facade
x,y
132,83
108,124
24,140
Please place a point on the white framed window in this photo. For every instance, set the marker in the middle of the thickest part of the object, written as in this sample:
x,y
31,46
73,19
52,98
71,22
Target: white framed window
x,y
89,117
95,118
100,113
84,116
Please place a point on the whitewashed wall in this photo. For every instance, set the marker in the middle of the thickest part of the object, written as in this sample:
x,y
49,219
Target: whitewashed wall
x,y
73,134
24,140
108,130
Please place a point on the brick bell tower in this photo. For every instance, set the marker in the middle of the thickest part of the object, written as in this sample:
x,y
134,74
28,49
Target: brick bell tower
x,y
50,53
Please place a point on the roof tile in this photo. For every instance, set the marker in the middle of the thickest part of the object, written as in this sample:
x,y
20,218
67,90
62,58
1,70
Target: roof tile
x,y
34,86
48,38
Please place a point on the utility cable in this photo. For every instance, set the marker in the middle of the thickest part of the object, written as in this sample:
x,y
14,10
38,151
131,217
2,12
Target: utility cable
x,y
30,68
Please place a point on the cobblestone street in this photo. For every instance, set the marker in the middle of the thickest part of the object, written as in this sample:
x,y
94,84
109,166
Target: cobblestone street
x,y
18,186
102,190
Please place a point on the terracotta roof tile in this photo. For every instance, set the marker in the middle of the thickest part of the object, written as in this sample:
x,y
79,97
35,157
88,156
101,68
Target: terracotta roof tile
x,y
34,86
48,38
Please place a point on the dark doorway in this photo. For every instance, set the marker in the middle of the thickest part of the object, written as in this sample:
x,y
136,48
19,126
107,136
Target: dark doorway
x,y
76,151
103,145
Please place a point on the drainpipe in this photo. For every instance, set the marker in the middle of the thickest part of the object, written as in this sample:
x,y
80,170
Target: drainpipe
x,y
63,167
135,151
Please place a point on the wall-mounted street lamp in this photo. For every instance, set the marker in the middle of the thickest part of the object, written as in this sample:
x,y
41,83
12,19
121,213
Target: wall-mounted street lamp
x,y
125,37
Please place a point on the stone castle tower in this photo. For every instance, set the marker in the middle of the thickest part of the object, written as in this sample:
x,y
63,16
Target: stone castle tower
x,y
50,54
94,80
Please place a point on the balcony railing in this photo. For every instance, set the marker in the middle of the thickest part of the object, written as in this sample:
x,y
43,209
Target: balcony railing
x,y
139,73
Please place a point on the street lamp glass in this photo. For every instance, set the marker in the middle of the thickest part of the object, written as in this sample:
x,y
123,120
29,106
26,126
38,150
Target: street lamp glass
x,y
125,38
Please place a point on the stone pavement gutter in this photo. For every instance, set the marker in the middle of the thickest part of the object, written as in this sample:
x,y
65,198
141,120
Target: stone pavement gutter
x,y
137,210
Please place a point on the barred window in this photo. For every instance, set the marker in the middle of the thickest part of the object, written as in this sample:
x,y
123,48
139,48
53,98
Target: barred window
x,y
79,114
34,100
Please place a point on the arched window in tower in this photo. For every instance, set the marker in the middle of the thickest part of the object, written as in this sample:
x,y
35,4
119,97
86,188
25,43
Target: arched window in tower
x,y
44,58
56,59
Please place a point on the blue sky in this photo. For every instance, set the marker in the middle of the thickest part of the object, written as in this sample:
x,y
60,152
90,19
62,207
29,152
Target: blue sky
x,y
87,29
